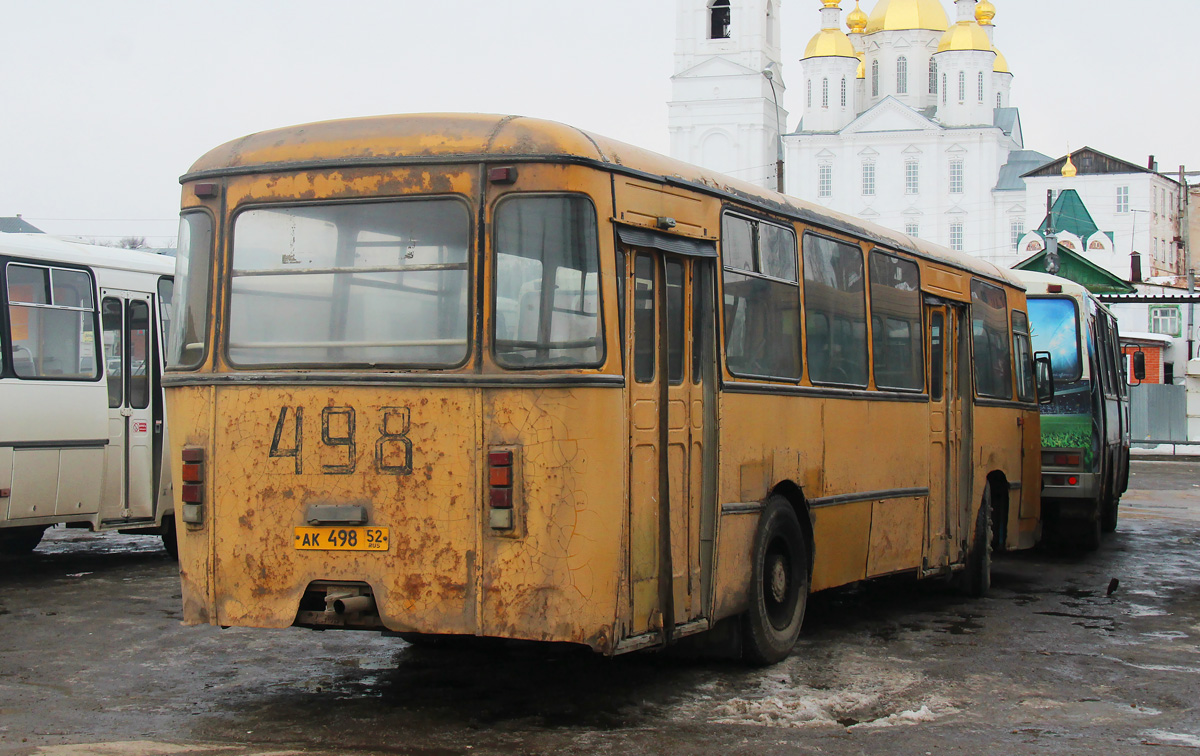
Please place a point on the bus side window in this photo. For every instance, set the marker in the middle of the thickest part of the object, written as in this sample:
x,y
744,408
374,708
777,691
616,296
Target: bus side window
x,y
114,361
643,319
762,299
1026,388
834,287
937,368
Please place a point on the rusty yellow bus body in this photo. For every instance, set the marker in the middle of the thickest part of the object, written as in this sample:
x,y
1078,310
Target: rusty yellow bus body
x,y
617,502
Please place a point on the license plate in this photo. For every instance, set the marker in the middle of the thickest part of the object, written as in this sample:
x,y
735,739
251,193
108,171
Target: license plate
x,y
353,538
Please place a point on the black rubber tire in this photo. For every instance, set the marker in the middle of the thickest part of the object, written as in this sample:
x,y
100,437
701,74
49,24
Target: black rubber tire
x,y
170,540
779,584
17,541
1109,514
976,579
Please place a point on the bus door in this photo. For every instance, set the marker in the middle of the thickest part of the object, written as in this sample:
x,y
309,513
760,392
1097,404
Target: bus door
x,y
130,367
949,460
670,389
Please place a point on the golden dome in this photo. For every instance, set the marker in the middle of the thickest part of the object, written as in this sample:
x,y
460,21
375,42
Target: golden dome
x,y
1069,170
830,43
857,20
984,13
1001,65
897,15
965,35
832,3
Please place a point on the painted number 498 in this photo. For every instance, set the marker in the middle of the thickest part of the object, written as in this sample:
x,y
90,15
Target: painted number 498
x,y
392,441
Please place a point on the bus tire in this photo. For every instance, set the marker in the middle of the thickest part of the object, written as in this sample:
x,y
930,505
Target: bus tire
x,y
976,579
1109,514
17,541
169,538
779,584
1085,531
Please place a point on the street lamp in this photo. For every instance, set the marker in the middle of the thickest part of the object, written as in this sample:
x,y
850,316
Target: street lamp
x,y
770,76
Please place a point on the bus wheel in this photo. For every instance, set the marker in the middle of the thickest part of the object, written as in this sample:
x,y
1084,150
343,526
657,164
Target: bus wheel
x,y
169,538
778,585
1085,531
1109,514
21,540
976,579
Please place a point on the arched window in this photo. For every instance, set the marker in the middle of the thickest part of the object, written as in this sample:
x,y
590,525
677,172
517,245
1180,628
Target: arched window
x,y
902,75
771,24
808,94
825,93
944,89
981,86
875,79
718,19
843,91
999,100
932,76
962,86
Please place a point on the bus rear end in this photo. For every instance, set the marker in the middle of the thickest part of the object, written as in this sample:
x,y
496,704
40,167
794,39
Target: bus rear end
x,y
394,403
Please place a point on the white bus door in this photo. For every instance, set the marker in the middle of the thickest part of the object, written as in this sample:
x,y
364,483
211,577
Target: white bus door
x,y
129,367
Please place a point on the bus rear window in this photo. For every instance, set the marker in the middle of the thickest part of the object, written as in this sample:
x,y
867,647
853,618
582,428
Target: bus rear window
x,y
547,283
1054,326
374,283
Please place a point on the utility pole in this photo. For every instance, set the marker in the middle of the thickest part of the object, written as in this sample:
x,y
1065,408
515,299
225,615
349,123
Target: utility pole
x,y
770,75
1184,234
1052,264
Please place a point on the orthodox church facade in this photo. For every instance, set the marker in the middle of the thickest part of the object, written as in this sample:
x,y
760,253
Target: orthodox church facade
x,y
907,121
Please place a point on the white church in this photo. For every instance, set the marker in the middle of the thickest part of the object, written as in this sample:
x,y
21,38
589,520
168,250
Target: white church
x,y
907,119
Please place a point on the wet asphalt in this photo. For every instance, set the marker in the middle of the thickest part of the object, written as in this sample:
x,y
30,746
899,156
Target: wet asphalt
x,y
93,660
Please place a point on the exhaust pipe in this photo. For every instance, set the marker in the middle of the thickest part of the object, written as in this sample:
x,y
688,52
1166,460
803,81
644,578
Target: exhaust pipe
x,y
342,605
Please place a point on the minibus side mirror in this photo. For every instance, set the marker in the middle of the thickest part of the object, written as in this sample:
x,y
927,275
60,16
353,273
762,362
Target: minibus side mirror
x,y
1139,366
1044,377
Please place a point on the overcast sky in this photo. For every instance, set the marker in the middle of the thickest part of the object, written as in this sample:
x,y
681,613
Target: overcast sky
x,y
106,102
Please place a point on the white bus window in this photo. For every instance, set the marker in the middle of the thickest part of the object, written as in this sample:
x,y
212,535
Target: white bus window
x,y
138,354
51,328
112,333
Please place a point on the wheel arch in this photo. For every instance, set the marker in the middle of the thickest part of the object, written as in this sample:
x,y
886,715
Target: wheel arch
x,y
795,496
997,482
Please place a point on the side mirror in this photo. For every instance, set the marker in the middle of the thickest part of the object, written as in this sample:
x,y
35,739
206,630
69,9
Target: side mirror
x,y
1044,377
1139,366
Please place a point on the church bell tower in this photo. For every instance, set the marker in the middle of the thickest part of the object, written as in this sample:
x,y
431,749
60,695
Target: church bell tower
x,y
726,109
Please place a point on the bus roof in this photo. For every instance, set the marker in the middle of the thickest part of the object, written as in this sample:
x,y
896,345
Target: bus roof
x,y
54,249
1038,284
463,137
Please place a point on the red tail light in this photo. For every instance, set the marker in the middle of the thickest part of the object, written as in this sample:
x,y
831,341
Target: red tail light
x,y
192,493
500,489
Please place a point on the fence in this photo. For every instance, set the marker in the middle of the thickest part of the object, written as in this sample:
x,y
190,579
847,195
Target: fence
x,y
1158,412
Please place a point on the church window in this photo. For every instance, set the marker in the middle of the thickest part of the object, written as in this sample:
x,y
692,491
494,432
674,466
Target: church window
x,y
875,79
912,228
771,24
943,89
999,100
1122,199
1016,229
843,91
981,86
868,179
825,181
956,236
912,177
718,20
956,176
902,75
825,93
962,86
808,94
932,76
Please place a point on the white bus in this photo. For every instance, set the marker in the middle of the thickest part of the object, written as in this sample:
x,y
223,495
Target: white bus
x,y
81,426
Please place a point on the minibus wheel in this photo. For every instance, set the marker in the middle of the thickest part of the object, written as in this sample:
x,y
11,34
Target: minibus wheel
x,y
21,540
1109,514
779,584
169,538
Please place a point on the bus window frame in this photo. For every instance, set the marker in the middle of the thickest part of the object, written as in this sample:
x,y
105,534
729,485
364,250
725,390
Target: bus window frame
x,y
489,333
866,297
746,215
7,366
226,284
921,325
1008,342
216,272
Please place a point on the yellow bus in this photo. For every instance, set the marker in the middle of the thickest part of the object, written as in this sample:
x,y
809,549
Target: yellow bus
x,y
494,376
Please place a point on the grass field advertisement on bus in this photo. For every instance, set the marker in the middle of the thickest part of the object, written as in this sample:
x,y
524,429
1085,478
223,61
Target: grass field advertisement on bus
x,y
1067,422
